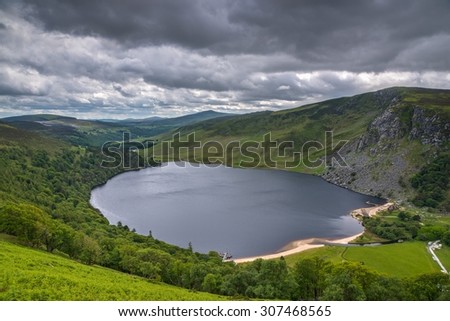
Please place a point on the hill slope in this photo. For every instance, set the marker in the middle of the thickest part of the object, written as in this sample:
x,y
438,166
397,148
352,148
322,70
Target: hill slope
x,y
97,132
28,274
175,121
391,134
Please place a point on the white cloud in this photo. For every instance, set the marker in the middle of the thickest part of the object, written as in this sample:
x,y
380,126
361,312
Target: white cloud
x,y
18,80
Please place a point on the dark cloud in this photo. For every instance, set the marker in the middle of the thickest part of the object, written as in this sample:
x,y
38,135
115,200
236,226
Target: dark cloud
x,y
351,35
194,24
123,92
348,35
8,90
142,57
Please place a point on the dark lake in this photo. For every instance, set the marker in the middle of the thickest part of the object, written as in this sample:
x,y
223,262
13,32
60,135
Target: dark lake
x,y
245,212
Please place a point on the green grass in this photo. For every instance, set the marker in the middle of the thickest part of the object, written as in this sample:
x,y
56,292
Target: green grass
x,y
368,237
29,274
328,253
401,260
10,136
407,259
444,255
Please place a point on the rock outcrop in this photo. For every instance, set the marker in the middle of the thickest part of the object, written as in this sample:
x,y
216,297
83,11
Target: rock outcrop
x,y
429,129
381,161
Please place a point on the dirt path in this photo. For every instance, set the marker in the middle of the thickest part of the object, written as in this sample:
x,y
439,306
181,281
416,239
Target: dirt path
x,y
371,211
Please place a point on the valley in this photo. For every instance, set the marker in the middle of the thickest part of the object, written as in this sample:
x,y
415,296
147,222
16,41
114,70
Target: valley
x,y
397,149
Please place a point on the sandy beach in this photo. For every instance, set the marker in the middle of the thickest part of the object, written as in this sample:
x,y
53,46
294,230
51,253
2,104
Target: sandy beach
x,y
312,243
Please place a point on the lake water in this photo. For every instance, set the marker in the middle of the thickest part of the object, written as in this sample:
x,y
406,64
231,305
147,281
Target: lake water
x,y
245,212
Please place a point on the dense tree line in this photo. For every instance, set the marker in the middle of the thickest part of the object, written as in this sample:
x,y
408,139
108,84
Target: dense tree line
x,y
406,226
432,184
44,202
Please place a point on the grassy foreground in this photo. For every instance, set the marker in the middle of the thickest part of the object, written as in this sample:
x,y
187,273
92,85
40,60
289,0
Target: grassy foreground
x,y
28,274
407,259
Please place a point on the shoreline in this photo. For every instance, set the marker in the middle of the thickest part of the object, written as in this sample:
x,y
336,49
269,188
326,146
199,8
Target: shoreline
x,y
292,247
312,243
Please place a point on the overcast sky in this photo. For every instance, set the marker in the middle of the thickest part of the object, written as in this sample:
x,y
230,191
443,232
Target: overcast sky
x,y
140,58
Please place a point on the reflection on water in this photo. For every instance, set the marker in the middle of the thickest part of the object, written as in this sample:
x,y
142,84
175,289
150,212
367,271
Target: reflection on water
x,y
243,211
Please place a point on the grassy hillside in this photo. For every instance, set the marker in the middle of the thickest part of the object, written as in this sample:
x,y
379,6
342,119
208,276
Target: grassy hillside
x,y
391,135
175,121
347,116
28,274
10,136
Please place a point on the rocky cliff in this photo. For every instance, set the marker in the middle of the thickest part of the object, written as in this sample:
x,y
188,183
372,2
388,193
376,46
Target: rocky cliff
x,y
396,144
391,133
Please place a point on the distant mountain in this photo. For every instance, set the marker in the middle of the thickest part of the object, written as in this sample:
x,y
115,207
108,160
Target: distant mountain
x,y
176,121
96,132
77,131
37,118
194,118
131,120
49,120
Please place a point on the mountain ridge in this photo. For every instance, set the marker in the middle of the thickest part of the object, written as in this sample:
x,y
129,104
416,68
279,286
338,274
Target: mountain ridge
x,y
391,134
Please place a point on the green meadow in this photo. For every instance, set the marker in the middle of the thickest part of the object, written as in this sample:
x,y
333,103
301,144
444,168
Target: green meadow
x,y
407,259
29,274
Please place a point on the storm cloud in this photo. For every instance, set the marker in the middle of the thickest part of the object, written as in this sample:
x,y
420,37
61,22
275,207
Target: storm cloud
x,y
112,58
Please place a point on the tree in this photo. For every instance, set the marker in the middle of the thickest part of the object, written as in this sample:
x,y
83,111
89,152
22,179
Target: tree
x,y
150,270
56,235
349,282
387,288
128,259
431,233
446,238
430,287
197,274
238,282
40,159
310,275
24,221
159,259
404,216
211,283
90,250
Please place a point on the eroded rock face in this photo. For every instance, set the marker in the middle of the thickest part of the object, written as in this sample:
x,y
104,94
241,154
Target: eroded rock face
x,y
378,160
387,128
381,131
429,129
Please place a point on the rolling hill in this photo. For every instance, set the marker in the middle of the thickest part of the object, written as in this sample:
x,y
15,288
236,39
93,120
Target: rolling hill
x,y
29,274
97,132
